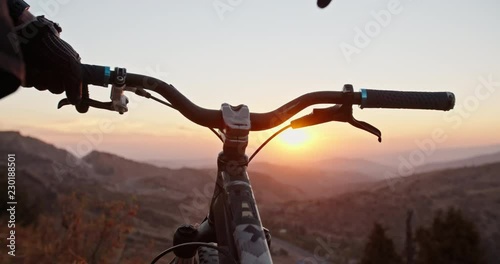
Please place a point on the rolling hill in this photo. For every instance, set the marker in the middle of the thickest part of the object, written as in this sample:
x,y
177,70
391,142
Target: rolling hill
x,y
329,205
346,220
313,182
166,197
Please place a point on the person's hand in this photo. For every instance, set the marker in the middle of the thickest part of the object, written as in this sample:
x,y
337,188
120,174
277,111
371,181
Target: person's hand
x,y
51,63
323,3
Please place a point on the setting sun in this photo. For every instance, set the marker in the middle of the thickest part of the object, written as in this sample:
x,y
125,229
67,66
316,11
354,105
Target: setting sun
x,y
294,137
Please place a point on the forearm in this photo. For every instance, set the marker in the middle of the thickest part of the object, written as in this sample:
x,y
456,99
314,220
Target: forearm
x,y
11,65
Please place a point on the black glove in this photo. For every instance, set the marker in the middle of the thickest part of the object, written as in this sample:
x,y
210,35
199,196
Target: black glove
x,y
51,63
323,3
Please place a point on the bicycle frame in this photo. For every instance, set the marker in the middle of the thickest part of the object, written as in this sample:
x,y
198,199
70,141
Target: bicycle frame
x,y
234,215
233,221
234,211
233,208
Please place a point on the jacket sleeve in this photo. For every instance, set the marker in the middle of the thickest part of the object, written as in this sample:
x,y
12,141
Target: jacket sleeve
x,y
11,64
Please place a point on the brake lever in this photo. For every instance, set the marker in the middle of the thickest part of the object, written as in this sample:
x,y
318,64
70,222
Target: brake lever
x,y
81,107
366,127
89,102
340,113
118,100
343,113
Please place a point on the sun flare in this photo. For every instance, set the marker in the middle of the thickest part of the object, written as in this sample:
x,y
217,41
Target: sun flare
x,y
294,137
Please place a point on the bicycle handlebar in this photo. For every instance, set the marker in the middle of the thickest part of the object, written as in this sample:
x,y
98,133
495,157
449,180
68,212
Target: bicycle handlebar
x,y
409,100
102,76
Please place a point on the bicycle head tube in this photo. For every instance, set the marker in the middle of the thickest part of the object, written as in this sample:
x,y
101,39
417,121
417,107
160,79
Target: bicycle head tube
x,y
233,209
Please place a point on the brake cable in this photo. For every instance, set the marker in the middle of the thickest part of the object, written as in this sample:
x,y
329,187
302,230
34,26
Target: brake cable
x,y
267,141
217,134
200,244
142,92
163,102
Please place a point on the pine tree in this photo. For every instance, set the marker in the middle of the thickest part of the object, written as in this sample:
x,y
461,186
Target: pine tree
x,y
450,239
379,249
409,242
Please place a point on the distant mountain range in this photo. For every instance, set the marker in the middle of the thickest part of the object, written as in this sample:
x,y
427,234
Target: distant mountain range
x,y
365,165
462,163
184,163
439,155
338,197
361,170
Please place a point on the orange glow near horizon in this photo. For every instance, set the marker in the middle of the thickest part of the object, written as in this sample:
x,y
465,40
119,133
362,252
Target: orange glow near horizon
x,y
295,138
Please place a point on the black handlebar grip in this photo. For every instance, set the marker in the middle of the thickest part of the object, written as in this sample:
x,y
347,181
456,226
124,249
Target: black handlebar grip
x,y
96,75
410,100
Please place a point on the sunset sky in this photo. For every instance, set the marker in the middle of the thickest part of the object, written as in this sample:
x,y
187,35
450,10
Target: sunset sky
x,y
265,53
